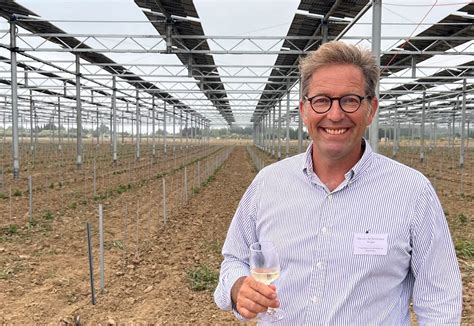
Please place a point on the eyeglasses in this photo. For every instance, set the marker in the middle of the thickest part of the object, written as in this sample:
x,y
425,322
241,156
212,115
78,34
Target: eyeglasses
x,y
348,103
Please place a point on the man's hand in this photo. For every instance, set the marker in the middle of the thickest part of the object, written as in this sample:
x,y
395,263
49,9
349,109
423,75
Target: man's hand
x,y
251,297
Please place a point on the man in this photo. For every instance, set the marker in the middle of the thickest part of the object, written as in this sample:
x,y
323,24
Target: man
x,y
359,235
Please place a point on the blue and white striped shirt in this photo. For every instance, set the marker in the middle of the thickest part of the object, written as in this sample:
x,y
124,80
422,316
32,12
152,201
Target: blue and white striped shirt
x,y
328,275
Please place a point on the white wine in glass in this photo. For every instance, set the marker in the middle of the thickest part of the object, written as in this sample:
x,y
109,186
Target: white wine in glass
x,y
265,275
265,268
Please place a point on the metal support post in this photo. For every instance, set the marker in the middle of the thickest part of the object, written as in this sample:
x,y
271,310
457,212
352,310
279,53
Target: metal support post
x,y
463,124
279,129
199,128
195,131
98,126
254,133
114,120
157,115
78,114
260,134
180,129
59,125
174,131
257,133
123,130
264,125
14,87
192,129
376,38
187,130
453,127
431,131
468,134
147,123
422,130
138,126
300,121
288,123
110,130
264,133
273,132
395,139
153,131
32,104
324,31
164,128
268,131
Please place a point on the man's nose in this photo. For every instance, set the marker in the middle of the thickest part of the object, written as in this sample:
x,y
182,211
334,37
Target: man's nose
x,y
335,113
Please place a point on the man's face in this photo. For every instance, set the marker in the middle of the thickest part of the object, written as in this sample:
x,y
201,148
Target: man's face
x,y
337,135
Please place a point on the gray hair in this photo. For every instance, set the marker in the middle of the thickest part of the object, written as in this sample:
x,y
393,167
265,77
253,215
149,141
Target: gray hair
x,y
337,52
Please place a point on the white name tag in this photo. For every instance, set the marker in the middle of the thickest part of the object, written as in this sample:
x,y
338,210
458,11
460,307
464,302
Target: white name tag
x,y
370,244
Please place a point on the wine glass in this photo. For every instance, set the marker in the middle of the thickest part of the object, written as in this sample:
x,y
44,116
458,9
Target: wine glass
x,y
265,268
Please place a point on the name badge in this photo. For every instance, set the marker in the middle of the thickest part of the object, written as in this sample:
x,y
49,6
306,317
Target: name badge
x,y
370,244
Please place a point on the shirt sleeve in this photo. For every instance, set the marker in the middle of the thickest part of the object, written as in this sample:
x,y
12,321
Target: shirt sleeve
x,y
240,236
437,291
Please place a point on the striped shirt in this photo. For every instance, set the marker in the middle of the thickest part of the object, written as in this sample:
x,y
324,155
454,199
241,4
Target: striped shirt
x,y
353,256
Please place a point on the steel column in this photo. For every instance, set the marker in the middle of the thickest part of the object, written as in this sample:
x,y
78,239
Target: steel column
x,y
279,130
376,37
265,133
123,130
324,31
98,126
288,123
114,120
273,132
153,131
59,125
395,138
463,124
422,131
32,104
14,88
137,104
164,129
300,121
181,130
78,113
192,129
187,130
174,131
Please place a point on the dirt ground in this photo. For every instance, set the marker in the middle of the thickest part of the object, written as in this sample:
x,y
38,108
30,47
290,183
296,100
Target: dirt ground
x,y
48,281
148,280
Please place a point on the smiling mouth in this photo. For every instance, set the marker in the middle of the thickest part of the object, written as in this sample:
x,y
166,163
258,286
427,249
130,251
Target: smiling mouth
x,y
339,131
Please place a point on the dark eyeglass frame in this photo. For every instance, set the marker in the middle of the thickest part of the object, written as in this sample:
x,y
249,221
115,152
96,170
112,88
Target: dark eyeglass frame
x,y
331,99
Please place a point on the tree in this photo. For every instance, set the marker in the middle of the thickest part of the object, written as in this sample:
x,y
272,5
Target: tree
x,y
103,129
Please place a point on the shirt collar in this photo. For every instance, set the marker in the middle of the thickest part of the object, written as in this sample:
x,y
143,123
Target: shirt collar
x,y
308,160
353,173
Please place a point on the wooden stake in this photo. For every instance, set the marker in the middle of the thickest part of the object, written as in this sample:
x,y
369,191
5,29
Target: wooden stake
x,y
91,267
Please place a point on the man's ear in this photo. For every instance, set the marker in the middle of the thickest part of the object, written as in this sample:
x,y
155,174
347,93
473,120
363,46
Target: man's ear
x,y
374,106
302,111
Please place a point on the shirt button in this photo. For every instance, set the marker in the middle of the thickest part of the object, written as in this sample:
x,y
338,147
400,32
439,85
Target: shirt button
x,y
315,299
319,265
324,230
330,197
